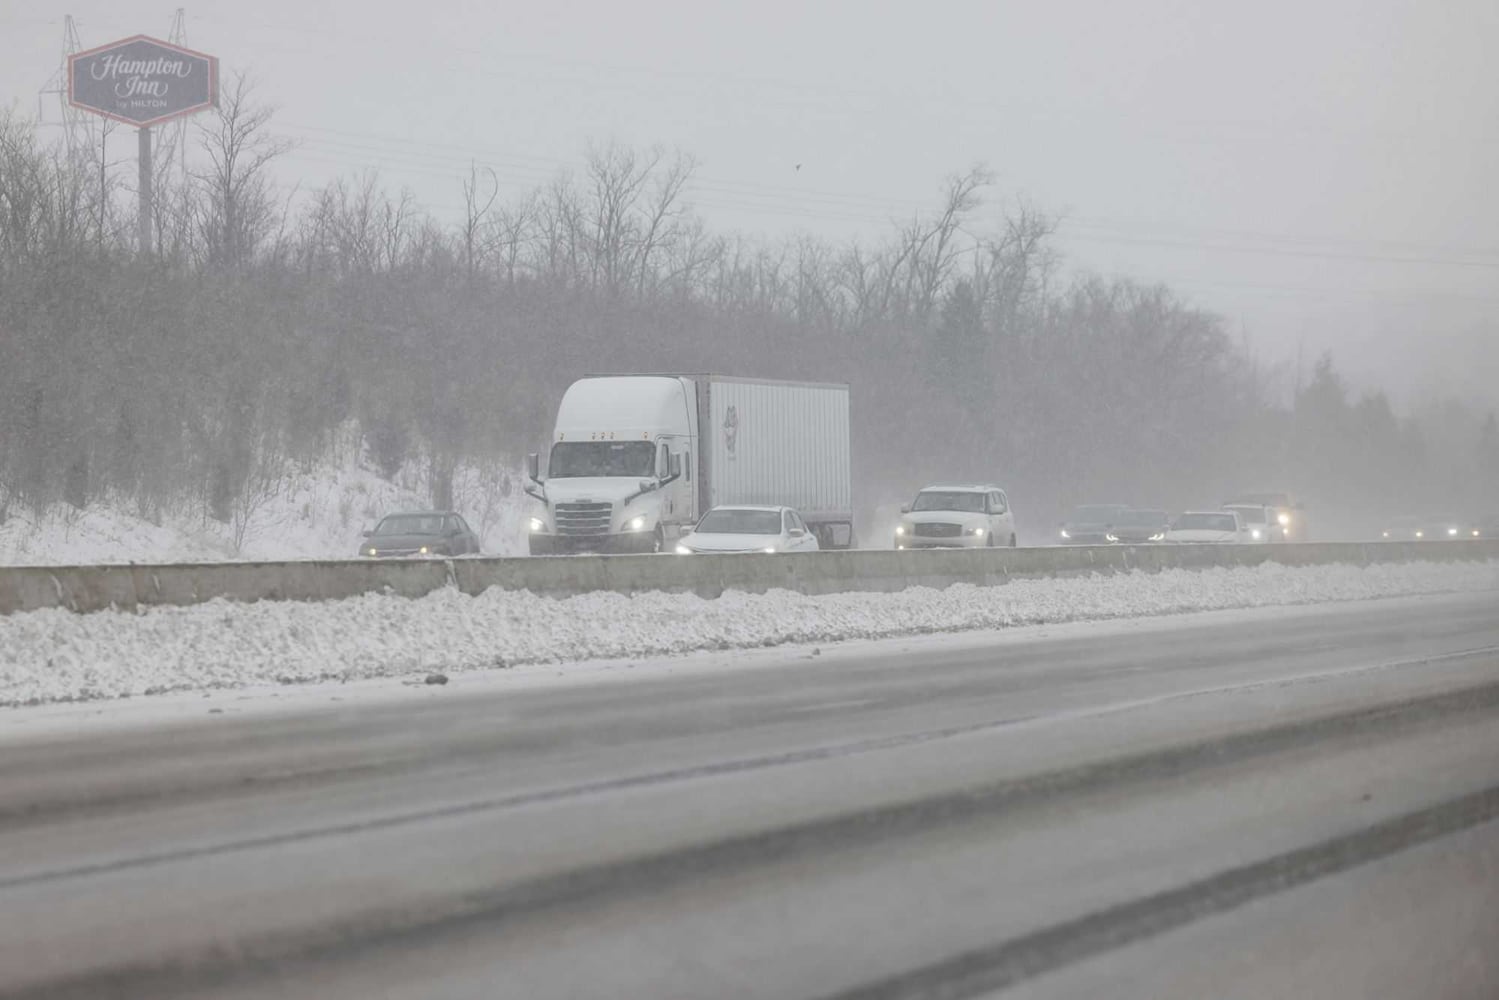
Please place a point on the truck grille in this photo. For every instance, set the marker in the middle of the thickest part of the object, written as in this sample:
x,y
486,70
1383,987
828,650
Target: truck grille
x,y
939,530
583,518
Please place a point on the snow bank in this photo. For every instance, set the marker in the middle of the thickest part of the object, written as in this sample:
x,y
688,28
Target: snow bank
x,y
56,655
316,512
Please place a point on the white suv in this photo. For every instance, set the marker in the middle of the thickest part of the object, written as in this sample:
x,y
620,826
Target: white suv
x,y
965,516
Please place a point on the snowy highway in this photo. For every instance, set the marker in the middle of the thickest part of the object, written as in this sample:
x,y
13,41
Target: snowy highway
x,y
1274,802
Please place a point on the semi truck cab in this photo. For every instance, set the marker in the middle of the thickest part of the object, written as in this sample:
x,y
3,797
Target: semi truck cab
x,y
617,476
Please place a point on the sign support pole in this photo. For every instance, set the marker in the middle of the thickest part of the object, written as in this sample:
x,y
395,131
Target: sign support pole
x,y
143,220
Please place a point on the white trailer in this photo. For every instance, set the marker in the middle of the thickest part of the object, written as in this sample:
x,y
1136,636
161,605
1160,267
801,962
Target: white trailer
x,y
635,459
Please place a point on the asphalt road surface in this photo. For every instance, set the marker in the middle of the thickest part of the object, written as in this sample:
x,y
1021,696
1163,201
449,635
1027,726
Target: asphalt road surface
x,y
1281,803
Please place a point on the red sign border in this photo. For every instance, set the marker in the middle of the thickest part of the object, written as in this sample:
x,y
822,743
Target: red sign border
x,y
213,80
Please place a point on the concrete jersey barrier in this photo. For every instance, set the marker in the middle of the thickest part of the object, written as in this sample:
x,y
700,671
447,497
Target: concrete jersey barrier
x,y
128,587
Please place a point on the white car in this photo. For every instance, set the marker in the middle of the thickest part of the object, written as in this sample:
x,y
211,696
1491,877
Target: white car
x,y
968,516
748,529
1261,522
1200,526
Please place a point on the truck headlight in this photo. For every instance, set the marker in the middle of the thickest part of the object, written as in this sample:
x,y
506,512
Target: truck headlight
x,y
635,524
979,532
683,550
537,524
1254,533
1284,519
900,529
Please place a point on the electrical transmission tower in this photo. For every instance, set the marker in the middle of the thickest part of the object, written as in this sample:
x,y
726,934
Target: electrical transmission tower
x,y
53,109
169,143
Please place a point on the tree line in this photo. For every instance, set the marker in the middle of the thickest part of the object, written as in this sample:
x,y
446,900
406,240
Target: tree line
x,y
258,325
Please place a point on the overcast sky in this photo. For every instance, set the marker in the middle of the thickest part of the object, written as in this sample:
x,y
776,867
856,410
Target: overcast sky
x,y
1322,172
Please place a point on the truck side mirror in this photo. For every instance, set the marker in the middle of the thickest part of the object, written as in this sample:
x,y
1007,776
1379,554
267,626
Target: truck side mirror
x,y
533,467
676,466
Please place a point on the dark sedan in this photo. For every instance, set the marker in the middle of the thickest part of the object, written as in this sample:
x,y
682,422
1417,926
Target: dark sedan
x,y
1091,524
423,533
1139,525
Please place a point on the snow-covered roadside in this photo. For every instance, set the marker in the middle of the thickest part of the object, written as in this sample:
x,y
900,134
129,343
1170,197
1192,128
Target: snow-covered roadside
x,y
48,656
313,512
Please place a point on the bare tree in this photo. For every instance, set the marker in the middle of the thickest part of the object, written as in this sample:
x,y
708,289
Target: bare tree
x,y
474,233
239,209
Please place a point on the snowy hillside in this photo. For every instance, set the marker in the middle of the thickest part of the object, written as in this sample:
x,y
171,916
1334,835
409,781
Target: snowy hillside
x,y
315,512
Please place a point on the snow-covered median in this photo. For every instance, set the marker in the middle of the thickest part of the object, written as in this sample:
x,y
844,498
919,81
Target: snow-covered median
x,y
56,655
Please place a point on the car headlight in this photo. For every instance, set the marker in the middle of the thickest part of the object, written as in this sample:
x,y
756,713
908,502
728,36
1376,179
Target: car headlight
x,y
1254,533
1451,531
1110,538
1159,536
635,524
1420,534
1064,533
979,532
1387,534
900,529
537,524
1284,519
770,550
683,550
372,551
1475,532
423,551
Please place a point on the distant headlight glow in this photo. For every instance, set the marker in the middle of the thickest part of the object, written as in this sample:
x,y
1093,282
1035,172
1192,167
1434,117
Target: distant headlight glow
x,y
1387,534
423,551
372,551
1451,531
1254,533
635,524
770,550
1420,534
1284,519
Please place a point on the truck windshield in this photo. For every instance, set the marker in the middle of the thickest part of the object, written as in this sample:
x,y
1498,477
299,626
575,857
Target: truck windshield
x,y
572,459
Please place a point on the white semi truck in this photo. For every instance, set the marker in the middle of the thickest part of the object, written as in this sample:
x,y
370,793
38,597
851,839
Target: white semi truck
x,y
635,459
